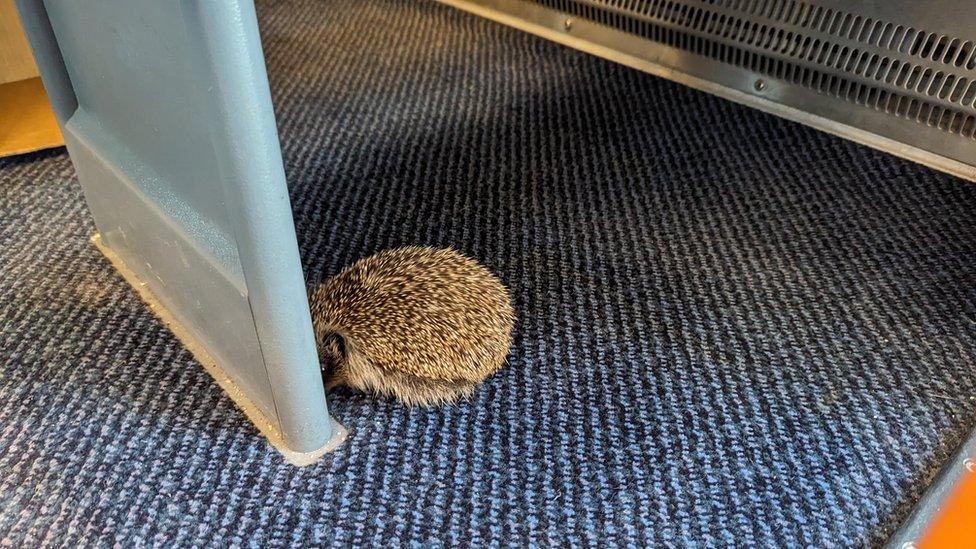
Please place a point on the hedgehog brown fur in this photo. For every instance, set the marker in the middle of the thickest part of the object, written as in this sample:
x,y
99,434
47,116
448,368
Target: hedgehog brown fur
x,y
422,324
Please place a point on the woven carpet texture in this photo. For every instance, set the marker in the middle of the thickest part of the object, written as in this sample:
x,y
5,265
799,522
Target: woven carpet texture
x,y
733,330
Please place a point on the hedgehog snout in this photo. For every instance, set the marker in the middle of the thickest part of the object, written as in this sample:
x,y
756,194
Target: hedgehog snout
x,y
332,359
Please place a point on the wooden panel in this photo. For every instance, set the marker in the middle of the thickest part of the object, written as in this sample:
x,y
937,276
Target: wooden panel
x,y
26,120
16,62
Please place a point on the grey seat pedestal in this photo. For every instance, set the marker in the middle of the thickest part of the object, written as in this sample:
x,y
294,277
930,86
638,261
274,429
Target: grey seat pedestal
x,y
167,117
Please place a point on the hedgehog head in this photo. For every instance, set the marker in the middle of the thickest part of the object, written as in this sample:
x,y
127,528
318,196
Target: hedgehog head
x,y
333,358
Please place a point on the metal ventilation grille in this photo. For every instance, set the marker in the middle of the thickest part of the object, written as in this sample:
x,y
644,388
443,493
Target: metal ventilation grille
x,y
850,68
846,64
896,38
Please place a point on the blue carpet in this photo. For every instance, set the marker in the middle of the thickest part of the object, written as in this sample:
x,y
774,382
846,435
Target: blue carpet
x,y
733,329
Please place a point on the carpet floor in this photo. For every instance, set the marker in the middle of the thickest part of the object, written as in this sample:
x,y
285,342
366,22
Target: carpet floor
x,y
733,330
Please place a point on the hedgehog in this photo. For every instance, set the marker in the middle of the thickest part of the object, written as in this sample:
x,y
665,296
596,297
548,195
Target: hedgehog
x,y
422,324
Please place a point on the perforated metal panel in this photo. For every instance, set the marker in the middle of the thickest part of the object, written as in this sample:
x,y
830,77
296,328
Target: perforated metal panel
x,y
896,75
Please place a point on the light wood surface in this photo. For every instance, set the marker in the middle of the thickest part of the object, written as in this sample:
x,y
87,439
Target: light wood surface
x,y
16,61
27,122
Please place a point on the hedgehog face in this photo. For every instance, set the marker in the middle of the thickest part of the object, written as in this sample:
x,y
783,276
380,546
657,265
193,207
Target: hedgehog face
x,y
332,359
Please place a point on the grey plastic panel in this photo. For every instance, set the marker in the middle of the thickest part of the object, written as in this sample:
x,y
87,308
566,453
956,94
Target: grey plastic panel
x,y
131,68
167,117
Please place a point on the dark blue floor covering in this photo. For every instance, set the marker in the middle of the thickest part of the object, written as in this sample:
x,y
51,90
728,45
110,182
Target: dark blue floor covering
x,y
733,329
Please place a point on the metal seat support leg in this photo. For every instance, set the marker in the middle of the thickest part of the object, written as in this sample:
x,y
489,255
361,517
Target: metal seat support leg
x,y
167,117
